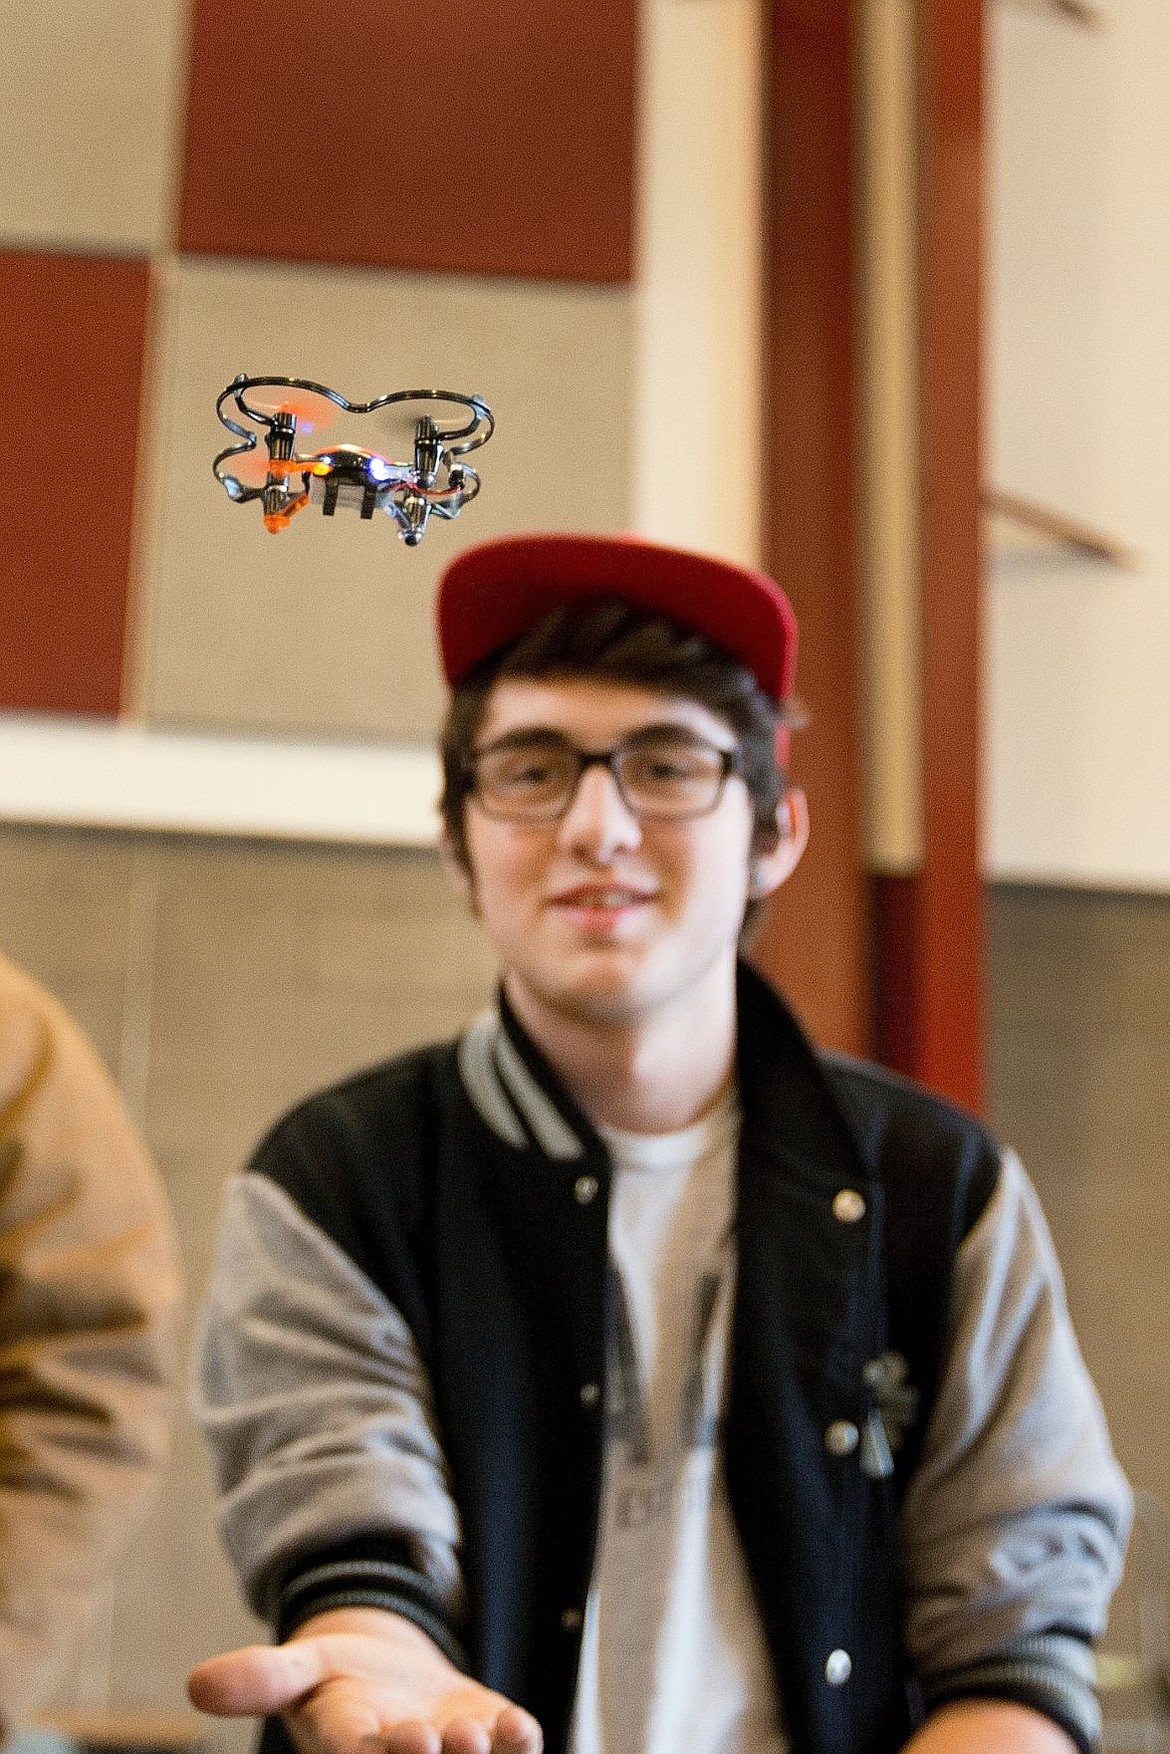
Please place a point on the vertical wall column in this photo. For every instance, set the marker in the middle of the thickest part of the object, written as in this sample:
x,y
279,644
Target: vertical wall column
x,y
872,496
890,491
922,172
949,975
816,938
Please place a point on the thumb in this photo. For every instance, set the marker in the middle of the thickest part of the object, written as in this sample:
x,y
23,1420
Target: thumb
x,y
257,1680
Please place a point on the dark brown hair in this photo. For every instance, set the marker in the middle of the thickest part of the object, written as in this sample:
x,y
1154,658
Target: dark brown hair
x,y
609,640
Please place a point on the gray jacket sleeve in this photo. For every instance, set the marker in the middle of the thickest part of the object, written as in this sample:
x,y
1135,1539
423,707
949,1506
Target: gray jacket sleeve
x,y
320,1420
1015,1522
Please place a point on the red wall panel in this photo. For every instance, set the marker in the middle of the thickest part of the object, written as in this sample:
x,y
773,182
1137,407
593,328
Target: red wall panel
x,y
70,386
481,136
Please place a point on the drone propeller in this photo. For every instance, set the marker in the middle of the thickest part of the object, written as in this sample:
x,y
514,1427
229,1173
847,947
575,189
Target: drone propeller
x,y
251,468
312,411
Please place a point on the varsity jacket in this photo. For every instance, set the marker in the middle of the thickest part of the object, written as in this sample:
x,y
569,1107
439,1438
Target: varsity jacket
x,y
406,1336
89,1287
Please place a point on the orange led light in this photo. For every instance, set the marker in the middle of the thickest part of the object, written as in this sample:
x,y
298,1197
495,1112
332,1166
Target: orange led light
x,y
297,466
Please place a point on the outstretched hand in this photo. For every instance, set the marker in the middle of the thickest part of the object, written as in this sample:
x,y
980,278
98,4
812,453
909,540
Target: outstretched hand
x,y
361,1676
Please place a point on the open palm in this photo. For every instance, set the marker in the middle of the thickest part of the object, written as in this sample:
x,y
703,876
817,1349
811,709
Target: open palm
x,y
360,1675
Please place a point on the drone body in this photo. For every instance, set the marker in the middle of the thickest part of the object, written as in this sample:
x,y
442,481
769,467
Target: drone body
x,y
433,481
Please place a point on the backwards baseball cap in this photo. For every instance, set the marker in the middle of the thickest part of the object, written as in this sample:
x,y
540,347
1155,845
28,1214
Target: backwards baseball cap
x,y
491,594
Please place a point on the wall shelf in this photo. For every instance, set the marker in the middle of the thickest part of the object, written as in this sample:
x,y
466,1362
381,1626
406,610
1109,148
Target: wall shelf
x,y
1072,11
1056,528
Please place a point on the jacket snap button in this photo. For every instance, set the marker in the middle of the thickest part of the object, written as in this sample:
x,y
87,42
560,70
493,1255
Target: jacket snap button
x,y
848,1206
842,1437
590,1394
585,1189
571,1620
838,1667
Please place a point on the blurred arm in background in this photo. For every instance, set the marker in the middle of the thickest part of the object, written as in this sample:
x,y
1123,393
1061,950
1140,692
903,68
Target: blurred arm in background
x,y
89,1293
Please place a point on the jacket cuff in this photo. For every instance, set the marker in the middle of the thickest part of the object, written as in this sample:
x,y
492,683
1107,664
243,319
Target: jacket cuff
x,y
1053,1673
375,1581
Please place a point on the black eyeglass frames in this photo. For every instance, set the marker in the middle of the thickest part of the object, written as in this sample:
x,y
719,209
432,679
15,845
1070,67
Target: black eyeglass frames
x,y
661,773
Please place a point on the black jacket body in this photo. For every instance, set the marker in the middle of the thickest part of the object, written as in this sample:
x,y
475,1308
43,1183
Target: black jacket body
x,y
500,1271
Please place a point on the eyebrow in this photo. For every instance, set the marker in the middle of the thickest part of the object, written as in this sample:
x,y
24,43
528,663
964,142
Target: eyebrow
x,y
524,736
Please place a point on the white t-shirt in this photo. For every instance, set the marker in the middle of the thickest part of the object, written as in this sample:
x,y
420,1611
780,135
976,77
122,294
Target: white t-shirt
x,y
673,1658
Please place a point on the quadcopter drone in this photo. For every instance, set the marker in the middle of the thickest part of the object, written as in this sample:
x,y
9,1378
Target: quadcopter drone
x,y
286,480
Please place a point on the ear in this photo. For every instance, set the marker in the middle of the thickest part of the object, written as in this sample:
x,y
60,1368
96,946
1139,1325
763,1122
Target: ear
x,y
771,868
458,873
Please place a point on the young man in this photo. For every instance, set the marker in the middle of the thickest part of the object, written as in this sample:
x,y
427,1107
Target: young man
x,y
627,1372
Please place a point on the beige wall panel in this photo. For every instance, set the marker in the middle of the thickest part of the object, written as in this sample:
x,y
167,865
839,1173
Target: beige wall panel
x,y
889,248
700,233
1079,1047
328,626
88,94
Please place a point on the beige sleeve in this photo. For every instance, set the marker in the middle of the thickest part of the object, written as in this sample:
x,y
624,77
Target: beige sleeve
x,y
89,1289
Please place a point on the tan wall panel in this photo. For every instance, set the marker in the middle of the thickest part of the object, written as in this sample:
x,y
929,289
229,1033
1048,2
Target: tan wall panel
x,y
328,627
87,92
890,488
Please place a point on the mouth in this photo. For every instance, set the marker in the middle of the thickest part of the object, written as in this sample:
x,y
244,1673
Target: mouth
x,y
602,897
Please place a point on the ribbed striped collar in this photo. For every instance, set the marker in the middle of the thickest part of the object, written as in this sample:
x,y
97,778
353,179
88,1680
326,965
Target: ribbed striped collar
x,y
507,1094
788,1107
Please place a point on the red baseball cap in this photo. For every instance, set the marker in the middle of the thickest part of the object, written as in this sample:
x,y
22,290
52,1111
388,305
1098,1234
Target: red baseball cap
x,y
491,594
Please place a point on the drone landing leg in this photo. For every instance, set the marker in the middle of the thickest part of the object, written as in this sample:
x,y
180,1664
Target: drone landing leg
x,y
274,522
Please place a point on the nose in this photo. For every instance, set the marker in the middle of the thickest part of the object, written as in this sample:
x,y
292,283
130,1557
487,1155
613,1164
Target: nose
x,y
599,822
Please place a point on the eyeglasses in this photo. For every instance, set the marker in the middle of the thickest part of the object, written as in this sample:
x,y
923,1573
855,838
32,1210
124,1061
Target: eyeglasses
x,y
662,774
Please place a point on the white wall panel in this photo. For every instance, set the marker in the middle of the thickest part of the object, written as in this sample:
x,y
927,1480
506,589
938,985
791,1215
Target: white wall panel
x,y
58,771
1078,684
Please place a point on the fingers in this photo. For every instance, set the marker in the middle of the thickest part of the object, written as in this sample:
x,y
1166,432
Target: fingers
x,y
516,1732
466,1735
513,1732
257,1680
411,1736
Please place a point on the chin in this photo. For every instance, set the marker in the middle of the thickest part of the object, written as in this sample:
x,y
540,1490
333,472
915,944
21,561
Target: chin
x,y
599,1005
613,997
